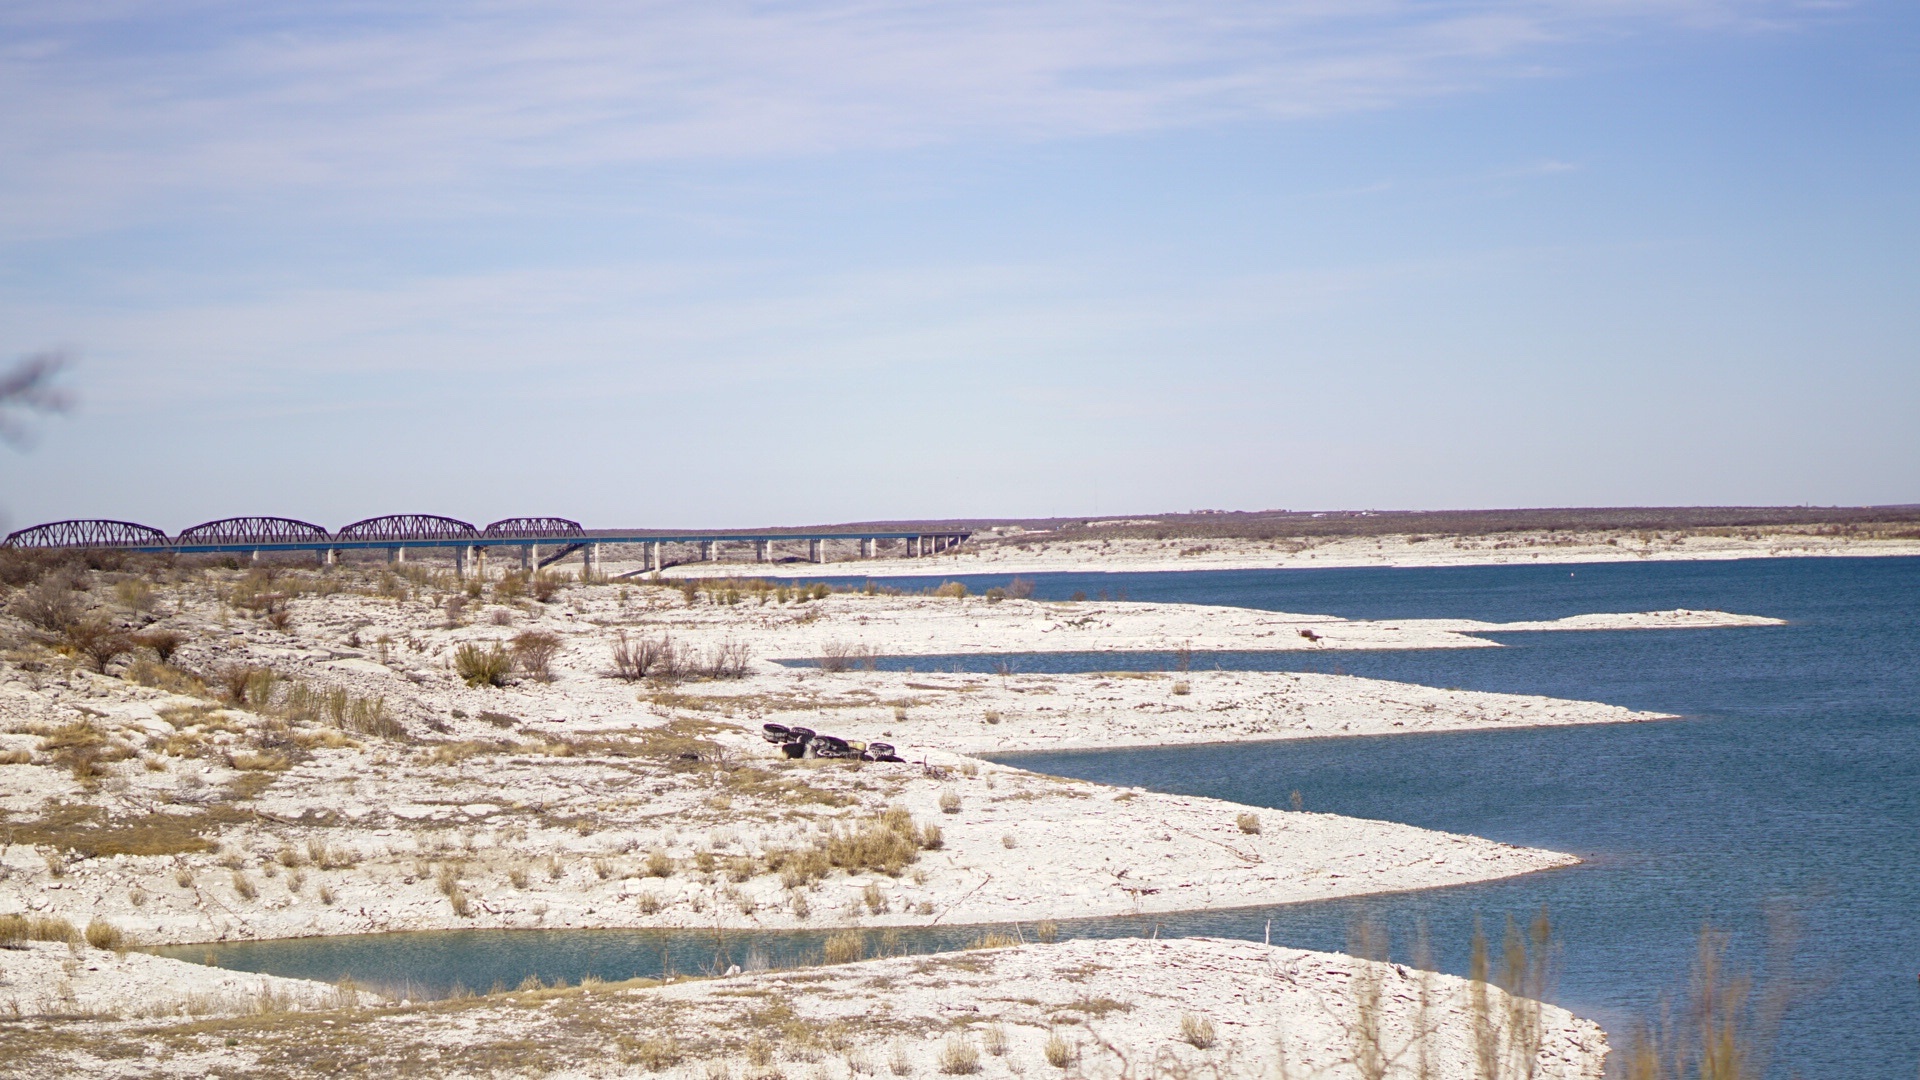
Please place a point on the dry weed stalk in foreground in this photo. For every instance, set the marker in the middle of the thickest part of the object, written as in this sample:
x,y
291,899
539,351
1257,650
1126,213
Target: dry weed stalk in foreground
x,y
1730,1023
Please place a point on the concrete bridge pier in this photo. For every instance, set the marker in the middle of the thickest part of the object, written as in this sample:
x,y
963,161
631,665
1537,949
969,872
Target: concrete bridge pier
x,y
817,551
329,556
709,551
396,554
592,555
763,551
479,561
867,546
460,557
529,558
653,556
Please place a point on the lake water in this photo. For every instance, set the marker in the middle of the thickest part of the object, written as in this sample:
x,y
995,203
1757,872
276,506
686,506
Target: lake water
x,y
1793,783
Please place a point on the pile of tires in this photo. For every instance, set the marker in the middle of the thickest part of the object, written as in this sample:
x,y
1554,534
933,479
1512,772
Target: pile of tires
x,y
800,742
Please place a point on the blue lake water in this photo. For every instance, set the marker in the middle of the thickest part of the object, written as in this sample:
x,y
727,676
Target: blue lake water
x,y
1793,781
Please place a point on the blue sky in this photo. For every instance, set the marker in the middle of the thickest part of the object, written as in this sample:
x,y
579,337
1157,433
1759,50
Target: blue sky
x,y
688,264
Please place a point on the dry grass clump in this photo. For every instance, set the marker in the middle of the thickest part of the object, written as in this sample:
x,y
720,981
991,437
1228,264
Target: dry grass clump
x,y
1059,1053
1196,1031
949,801
482,667
243,885
1249,823
958,1057
844,947
993,939
887,843
102,934
658,864
16,930
653,1053
1182,689
994,1040
952,590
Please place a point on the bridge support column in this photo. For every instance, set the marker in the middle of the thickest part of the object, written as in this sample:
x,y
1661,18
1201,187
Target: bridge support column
x,y
529,558
480,561
460,557
592,555
817,551
709,551
653,556
396,554
329,556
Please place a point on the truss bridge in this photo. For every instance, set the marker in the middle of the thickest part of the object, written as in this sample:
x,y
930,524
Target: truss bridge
x,y
537,541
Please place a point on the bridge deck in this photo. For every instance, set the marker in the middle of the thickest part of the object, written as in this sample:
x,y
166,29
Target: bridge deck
x,y
523,541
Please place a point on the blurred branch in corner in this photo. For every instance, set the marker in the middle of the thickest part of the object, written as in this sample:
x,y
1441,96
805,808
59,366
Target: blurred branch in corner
x,y
29,386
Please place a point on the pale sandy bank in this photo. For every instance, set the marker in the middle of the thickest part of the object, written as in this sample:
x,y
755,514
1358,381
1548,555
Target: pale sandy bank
x,y
1093,1009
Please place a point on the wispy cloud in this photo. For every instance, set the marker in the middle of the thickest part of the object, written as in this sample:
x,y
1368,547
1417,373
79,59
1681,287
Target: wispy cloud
x,y
113,103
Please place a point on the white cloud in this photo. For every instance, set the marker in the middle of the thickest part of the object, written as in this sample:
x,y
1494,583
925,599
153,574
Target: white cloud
x,y
114,104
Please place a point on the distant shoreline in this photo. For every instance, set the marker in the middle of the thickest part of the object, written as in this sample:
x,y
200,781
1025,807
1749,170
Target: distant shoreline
x,y
1010,555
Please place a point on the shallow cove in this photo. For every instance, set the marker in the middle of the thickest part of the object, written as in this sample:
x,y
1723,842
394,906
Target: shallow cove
x,y
1797,775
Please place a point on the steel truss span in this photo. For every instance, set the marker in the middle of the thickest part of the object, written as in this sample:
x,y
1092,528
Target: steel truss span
x,y
401,527
87,533
252,530
534,527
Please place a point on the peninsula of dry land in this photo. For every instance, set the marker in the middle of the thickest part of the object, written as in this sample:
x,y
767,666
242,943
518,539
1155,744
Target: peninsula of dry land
x,y
205,752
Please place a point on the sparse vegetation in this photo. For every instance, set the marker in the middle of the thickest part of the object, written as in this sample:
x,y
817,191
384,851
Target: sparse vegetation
x,y
482,667
959,1057
102,934
844,947
533,653
1196,1031
1249,823
949,801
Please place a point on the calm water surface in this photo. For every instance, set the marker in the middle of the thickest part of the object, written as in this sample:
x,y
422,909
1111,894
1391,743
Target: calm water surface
x,y
1793,782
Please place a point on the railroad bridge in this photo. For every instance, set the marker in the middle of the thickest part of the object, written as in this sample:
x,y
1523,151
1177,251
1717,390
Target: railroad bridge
x,y
538,541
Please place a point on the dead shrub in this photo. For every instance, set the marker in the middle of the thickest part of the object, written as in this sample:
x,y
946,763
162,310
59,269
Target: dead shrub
x,y
533,653
49,604
1249,823
728,660
95,641
164,643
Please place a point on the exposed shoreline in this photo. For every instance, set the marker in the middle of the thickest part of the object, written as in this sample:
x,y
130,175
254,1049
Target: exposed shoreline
x,y
1092,555
584,801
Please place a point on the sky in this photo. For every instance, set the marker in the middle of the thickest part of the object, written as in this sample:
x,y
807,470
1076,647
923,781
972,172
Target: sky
x,y
717,264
